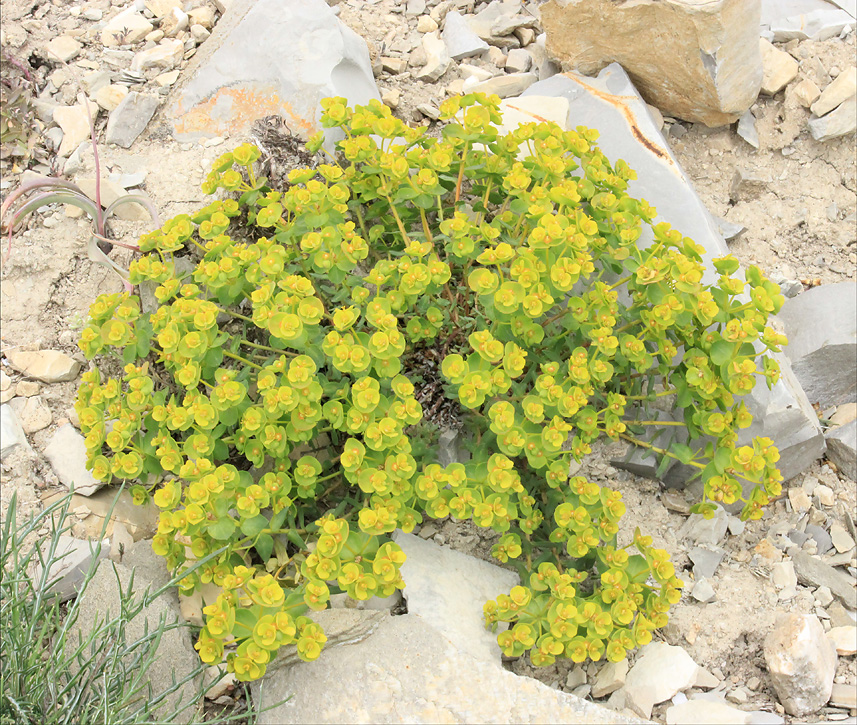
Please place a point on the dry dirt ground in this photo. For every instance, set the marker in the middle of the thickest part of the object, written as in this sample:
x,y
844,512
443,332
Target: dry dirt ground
x,y
801,225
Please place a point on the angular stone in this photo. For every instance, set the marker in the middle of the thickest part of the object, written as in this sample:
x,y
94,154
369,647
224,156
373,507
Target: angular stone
x,y
461,41
394,65
11,433
126,28
174,22
49,366
706,531
175,656
518,61
505,86
814,572
806,92
73,559
164,56
448,590
484,21
33,414
779,68
844,696
403,670
747,185
695,61
474,71
694,712
64,48
783,575
844,639
270,57
839,122
109,97
610,678
90,512
839,91
203,15
842,448
703,592
747,130
160,8
661,671
130,118
801,663
821,325
705,561
508,24
74,123
819,24
611,104
66,451
844,414
840,538
437,58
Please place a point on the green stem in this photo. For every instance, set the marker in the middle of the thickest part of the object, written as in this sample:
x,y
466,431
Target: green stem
x,y
242,359
662,451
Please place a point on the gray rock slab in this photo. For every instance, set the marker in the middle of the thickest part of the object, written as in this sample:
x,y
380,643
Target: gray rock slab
x,y
175,657
611,104
842,448
11,432
130,118
747,129
448,590
73,560
705,561
818,24
661,671
461,41
812,571
821,325
839,122
506,86
66,451
269,57
701,530
405,671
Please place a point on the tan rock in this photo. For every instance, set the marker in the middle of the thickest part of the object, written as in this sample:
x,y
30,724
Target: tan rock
x,y
203,16
174,22
844,696
843,88
391,97
779,67
108,97
110,192
49,366
90,512
844,414
167,79
695,61
166,56
74,123
126,28
159,8
806,92
426,25
844,639
5,381
27,388
64,48
32,413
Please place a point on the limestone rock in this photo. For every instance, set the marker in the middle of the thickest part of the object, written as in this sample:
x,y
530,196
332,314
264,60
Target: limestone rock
x,y
842,448
203,15
461,41
448,590
801,663
126,28
820,24
844,696
437,58
160,8
64,48
130,118
844,639
90,512
175,656
485,20
518,61
75,125
839,122
661,671
844,414
110,96
779,68
806,92
709,532
694,712
49,366
611,104
703,592
843,88
164,56
268,57
66,451
610,678
11,433
33,413
505,86
821,325
110,192
73,560
405,671
695,61
199,34
174,22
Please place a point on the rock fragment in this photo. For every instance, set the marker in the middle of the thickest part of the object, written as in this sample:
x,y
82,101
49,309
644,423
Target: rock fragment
x,y
843,88
819,24
844,639
842,448
506,86
821,325
779,68
64,48
164,56
11,433
174,22
703,592
806,92
74,122
694,712
705,561
519,61
814,572
126,28
697,62
110,96
610,678
747,129
839,122
661,671
130,118
460,40
437,58
33,414
73,559
49,366
843,696
801,663
66,451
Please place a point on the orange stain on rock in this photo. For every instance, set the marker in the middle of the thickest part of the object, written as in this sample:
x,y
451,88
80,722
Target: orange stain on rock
x,y
232,110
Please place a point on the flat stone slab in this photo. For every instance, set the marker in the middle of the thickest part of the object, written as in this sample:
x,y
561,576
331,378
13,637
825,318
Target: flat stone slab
x,y
842,448
66,451
448,589
407,672
821,325
611,104
268,57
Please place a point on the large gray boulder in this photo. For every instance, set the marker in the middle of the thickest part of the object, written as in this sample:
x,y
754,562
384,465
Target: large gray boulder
x,y
611,104
401,670
175,657
269,57
821,325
